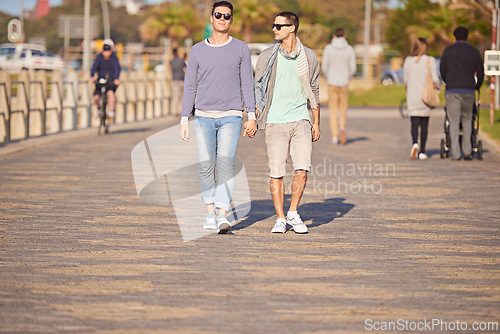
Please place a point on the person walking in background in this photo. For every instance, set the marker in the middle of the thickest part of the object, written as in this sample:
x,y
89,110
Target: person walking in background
x,y
462,71
415,70
288,80
218,86
178,66
338,66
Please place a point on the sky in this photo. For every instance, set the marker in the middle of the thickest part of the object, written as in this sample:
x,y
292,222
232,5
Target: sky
x,y
13,6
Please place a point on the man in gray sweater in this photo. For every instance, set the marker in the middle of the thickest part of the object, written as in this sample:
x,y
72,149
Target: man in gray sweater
x,y
218,87
338,66
287,92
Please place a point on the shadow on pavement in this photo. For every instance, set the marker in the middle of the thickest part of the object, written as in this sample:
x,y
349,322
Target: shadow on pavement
x,y
353,140
129,130
319,212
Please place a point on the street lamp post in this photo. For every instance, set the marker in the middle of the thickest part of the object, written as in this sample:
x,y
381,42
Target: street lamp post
x,y
368,7
86,37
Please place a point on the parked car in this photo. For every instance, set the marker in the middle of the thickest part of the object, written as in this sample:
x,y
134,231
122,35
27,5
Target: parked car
x,y
390,77
255,51
29,56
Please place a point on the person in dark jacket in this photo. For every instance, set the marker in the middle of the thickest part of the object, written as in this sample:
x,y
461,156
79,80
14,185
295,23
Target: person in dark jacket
x,y
106,64
462,71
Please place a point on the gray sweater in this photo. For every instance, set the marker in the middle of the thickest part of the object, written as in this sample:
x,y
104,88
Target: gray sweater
x,y
339,62
219,78
314,72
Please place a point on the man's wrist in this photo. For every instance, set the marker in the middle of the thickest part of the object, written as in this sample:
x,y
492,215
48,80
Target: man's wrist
x,y
184,120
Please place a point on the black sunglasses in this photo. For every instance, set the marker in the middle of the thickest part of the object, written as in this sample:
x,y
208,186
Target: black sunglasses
x,y
278,26
218,15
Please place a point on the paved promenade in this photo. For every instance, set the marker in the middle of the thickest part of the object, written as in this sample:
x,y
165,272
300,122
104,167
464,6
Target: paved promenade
x,y
390,240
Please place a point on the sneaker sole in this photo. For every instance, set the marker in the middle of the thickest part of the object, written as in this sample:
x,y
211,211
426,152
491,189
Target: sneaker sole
x,y
300,232
209,227
277,231
223,228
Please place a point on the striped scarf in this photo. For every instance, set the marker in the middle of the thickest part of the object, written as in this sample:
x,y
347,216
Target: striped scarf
x,y
302,68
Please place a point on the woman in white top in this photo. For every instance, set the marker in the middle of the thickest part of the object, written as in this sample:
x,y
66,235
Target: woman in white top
x,y
415,72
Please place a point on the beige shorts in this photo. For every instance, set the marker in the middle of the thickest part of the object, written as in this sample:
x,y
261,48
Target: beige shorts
x,y
282,138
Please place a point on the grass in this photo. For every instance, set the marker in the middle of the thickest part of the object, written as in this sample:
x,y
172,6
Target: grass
x,y
493,130
391,96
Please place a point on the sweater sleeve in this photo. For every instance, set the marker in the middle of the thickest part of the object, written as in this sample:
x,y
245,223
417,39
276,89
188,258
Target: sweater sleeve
x,y
116,65
479,71
353,62
442,66
190,85
315,77
246,78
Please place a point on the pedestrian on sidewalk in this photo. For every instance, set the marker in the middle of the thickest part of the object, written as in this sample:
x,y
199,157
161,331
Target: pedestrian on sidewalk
x,y
178,67
218,86
286,91
338,66
462,71
415,70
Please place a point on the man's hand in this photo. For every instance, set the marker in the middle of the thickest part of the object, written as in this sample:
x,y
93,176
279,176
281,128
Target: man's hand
x,y
250,127
184,132
116,82
315,132
91,79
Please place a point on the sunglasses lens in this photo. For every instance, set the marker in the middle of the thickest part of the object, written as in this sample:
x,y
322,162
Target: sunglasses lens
x,y
277,26
218,16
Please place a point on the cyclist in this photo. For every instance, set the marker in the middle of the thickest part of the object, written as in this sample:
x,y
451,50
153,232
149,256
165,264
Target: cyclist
x,y
107,66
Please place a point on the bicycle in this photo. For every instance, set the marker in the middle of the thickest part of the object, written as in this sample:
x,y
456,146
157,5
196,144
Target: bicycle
x,y
103,100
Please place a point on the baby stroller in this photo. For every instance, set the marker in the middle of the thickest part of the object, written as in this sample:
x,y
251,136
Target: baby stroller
x,y
477,146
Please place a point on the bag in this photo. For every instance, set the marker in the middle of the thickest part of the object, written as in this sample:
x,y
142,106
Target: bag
x,y
430,96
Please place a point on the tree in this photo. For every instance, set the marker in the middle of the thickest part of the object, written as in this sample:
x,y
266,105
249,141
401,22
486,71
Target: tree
x,y
253,16
176,21
435,22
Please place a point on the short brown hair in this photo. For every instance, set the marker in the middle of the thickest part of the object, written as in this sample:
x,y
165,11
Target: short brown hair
x,y
291,18
339,32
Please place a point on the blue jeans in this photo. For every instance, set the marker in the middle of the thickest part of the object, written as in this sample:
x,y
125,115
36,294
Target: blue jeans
x,y
217,142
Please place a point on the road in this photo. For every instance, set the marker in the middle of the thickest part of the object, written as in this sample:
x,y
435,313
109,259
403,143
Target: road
x,y
390,239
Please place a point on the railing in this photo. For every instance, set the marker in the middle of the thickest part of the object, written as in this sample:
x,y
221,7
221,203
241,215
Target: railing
x,y
33,106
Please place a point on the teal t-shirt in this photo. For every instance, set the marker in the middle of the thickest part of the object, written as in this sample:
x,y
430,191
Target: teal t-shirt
x,y
289,103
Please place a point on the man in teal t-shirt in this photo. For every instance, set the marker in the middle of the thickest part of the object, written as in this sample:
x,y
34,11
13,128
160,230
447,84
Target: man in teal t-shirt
x,y
287,92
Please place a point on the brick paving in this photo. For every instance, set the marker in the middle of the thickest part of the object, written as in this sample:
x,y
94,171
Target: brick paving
x,y
389,238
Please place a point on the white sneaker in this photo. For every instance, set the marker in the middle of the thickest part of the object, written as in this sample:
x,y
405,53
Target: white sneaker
x,y
422,156
280,226
209,223
223,225
414,152
293,219
111,114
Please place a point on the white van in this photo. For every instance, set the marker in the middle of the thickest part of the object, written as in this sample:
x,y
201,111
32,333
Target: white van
x,y
17,57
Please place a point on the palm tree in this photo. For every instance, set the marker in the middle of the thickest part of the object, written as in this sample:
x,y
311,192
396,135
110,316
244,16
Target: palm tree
x,y
177,21
252,15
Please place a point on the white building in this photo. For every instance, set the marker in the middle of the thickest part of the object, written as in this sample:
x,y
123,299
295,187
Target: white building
x,y
133,6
